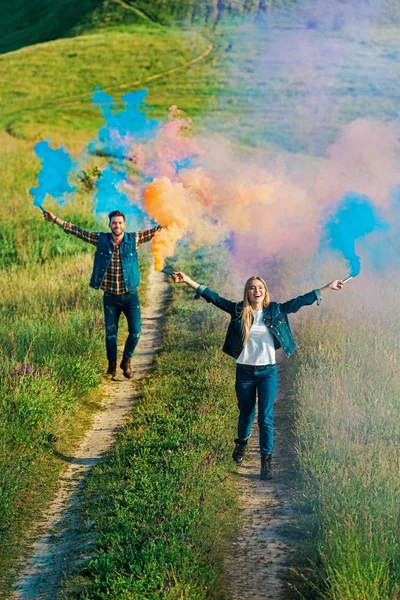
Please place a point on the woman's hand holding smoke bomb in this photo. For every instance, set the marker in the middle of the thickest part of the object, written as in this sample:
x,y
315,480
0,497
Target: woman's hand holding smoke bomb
x,y
336,284
180,277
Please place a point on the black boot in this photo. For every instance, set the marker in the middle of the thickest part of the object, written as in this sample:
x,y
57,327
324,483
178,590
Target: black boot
x,y
112,370
266,468
239,451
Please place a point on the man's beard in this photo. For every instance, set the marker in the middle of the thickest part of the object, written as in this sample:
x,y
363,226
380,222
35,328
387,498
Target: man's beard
x,y
117,234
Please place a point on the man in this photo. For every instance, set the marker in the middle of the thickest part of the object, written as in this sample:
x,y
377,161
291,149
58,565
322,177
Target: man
x,y
116,272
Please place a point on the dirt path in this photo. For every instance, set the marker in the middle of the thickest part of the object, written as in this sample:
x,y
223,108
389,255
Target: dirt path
x,y
257,565
59,533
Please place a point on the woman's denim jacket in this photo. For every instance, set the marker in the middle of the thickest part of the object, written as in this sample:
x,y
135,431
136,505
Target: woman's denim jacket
x,y
274,316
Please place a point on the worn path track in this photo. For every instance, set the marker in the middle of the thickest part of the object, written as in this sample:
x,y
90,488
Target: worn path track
x,y
257,567
60,537
83,98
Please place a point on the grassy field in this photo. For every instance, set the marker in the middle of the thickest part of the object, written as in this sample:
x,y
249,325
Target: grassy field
x,y
347,434
50,352
347,431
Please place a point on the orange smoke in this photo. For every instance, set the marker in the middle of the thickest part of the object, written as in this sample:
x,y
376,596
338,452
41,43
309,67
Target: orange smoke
x,y
168,204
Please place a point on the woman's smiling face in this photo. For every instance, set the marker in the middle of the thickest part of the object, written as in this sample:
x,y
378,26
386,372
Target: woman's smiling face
x,y
256,293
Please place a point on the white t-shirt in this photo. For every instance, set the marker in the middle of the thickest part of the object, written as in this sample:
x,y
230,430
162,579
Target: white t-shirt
x,y
259,348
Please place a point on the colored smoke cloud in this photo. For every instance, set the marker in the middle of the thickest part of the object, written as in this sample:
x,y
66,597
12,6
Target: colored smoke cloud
x,y
122,127
111,192
355,218
168,204
53,178
324,183
202,189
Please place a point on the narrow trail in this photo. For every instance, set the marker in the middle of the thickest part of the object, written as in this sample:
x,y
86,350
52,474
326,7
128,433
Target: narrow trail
x,y
60,537
257,566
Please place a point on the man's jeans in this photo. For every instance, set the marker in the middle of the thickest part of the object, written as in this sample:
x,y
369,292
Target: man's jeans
x,y
114,305
249,380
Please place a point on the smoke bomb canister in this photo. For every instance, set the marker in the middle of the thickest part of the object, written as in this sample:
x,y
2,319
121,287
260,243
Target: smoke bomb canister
x,y
347,279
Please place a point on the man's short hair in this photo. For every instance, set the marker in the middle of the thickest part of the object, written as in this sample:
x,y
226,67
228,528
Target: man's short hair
x,y
116,213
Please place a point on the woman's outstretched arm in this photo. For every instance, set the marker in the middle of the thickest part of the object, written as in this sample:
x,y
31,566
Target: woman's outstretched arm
x,y
208,295
292,306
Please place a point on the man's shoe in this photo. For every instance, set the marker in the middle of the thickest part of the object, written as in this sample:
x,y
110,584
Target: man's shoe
x,y
126,367
112,370
239,451
266,467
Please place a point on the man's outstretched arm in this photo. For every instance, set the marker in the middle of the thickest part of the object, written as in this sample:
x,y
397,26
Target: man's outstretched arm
x,y
145,236
87,236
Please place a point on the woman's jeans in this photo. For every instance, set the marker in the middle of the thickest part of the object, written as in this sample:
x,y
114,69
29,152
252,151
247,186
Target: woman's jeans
x,y
114,305
249,381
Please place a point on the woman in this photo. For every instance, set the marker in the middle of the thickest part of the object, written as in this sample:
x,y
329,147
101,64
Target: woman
x,y
258,327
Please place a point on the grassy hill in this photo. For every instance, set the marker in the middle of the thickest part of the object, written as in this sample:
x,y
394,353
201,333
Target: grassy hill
x,y
52,83
24,24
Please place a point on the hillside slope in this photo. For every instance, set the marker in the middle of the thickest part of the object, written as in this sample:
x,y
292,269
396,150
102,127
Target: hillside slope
x,y
26,23
23,24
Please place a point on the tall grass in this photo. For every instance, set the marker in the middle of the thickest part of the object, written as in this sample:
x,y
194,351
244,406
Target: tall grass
x,y
51,342
347,427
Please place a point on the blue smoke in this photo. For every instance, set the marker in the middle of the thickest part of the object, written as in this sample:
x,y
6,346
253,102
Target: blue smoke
x,y
355,218
185,163
124,127
110,195
53,178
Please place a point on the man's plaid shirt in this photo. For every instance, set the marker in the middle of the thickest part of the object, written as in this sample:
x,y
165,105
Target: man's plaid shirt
x,y
113,281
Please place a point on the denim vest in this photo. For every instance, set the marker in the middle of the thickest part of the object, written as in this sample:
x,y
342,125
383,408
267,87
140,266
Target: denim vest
x,y
129,260
274,316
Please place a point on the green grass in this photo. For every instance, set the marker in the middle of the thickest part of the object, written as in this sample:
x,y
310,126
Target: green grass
x,y
348,433
159,506
52,359
286,111
39,21
51,343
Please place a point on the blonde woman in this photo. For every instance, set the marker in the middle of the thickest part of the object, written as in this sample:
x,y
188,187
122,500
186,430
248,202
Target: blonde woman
x,y
258,327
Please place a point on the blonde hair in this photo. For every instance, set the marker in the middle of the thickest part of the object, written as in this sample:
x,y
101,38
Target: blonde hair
x,y
247,312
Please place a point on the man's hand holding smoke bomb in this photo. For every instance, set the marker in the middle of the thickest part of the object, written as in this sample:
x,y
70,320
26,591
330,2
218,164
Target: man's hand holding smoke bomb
x,y
49,216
